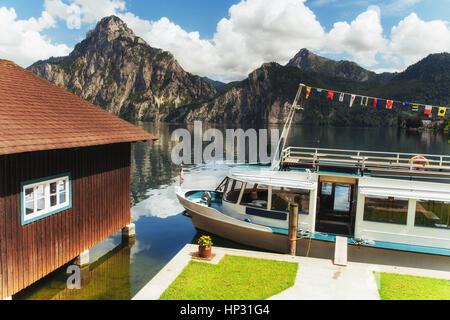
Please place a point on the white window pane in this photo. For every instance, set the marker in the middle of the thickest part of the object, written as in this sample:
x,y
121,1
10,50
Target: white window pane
x,y
40,204
29,207
29,194
61,186
40,192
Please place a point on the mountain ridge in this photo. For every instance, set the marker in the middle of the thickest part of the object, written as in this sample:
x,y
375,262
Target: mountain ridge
x,y
120,72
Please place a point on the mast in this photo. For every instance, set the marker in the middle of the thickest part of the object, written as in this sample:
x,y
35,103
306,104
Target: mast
x,y
287,126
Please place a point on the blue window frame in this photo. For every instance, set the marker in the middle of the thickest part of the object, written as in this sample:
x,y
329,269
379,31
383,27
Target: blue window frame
x,y
44,197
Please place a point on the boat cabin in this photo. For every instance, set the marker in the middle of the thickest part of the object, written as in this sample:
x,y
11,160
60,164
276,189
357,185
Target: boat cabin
x,y
381,211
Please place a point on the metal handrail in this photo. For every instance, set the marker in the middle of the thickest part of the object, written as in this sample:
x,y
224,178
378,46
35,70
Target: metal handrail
x,y
366,157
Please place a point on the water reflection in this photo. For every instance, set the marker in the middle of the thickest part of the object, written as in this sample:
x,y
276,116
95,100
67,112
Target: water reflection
x,y
162,231
108,278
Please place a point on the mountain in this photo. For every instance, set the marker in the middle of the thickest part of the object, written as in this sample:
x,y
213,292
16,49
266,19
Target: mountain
x,y
216,84
267,93
427,81
310,62
120,72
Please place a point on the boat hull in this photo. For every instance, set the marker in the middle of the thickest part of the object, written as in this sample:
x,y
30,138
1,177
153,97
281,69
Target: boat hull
x,y
212,221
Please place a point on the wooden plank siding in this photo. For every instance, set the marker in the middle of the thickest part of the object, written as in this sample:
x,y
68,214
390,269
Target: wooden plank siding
x,y
100,207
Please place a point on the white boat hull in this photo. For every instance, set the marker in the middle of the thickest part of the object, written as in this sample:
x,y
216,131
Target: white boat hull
x,y
212,221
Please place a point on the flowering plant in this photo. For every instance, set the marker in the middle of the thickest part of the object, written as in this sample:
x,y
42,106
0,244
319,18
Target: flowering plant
x,y
205,241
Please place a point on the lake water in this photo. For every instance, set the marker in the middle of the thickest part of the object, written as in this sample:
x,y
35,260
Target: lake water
x,y
119,271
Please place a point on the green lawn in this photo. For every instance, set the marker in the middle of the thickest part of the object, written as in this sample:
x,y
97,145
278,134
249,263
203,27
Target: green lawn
x,y
234,278
405,287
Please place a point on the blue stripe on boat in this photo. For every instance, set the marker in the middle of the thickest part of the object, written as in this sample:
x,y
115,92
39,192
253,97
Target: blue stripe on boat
x,y
375,244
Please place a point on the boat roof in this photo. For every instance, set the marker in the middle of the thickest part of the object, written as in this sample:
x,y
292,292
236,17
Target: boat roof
x,y
407,189
369,186
302,180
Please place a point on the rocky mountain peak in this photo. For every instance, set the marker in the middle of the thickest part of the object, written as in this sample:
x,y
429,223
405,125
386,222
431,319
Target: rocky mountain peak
x,y
118,71
109,34
307,61
110,28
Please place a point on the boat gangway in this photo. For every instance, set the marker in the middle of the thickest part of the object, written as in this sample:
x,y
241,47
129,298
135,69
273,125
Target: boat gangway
x,y
360,162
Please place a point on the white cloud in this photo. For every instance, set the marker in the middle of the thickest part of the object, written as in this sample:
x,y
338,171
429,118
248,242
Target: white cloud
x,y
76,12
362,38
21,40
412,39
255,32
397,7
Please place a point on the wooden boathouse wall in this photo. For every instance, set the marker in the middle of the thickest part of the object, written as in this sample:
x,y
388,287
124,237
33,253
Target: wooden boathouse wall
x,y
100,178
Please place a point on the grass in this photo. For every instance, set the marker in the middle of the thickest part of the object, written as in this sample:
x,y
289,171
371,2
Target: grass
x,y
234,278
405,287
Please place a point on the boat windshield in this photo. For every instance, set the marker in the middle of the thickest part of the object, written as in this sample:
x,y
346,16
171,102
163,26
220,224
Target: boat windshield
x,y
232,191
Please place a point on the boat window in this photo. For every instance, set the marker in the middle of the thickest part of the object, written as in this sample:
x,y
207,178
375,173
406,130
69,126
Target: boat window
x,y
342,197
282,197
434,214
233,190
255,195
386,209
327,188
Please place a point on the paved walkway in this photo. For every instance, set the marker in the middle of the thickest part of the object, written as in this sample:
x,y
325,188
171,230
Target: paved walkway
x,y
317,279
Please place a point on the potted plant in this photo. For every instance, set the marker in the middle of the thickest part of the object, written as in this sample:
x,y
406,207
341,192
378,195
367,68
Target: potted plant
x,y
204,246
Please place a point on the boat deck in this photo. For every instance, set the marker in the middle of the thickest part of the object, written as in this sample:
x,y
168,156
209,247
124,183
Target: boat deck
x,y
383,163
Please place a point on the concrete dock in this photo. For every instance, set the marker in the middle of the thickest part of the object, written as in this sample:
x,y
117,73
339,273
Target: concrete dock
x,y
317,279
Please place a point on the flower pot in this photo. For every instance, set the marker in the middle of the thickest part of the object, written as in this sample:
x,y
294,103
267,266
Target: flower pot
x,y
204,252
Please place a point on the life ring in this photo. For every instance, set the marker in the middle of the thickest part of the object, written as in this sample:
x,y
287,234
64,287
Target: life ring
x,y
417,160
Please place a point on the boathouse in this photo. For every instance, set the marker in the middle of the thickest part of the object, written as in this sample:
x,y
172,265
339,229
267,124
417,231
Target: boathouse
x,y
64,176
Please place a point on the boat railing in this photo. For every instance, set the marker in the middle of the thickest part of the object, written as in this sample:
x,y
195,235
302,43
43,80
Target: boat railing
x,y
364,160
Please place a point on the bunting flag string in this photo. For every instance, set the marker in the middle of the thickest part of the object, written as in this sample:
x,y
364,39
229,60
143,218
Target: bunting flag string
x,y
376,102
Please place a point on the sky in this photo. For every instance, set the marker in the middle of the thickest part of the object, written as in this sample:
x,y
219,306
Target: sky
x,y
227,39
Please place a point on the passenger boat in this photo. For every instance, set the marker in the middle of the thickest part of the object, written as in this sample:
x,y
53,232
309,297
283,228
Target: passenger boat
x,y
384,200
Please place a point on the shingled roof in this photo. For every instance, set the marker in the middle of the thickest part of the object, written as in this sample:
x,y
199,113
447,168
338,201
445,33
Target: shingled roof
x,y
37,115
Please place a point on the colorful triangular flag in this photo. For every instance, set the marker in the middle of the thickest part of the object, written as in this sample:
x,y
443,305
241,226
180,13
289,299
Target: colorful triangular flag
x,y
375,102
415,108
341,96
442,111
389,104
330,95
352,99
428,109
364,101
308,92
319,91
181,176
